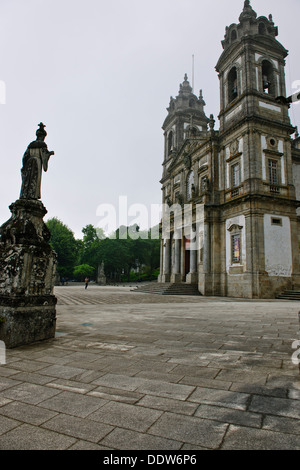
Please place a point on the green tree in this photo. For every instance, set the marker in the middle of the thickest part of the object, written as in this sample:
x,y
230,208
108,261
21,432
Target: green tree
x,y
82,271
129,249
90,253
151,255
116,257
65,245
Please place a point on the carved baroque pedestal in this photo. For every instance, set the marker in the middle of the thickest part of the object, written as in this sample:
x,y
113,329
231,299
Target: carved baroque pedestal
x,y
27,269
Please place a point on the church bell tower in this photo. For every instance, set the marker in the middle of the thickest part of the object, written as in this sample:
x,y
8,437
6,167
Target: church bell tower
x,y
185,117
258,192
241,181
251,72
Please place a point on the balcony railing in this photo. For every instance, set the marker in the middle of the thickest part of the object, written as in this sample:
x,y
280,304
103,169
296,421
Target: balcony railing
x,y
274,189
235,192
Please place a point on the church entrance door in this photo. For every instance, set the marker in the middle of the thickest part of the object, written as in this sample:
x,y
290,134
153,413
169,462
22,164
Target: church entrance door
x,y
187,257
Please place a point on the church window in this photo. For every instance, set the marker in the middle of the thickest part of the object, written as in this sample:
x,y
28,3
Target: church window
x,y
267,77
170,142
189,185
273,172
235,175
192,103
262,28
276,221
236,248
203,184
232,84
233,35
177,179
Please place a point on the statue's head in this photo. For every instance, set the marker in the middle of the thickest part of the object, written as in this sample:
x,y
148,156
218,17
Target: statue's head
x,y
41,133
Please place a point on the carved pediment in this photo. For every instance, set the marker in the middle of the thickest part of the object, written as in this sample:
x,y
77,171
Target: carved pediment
x,y
234,147
234,228
184,154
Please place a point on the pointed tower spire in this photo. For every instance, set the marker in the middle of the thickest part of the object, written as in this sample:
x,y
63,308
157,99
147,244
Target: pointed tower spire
x,y
185,87
201,99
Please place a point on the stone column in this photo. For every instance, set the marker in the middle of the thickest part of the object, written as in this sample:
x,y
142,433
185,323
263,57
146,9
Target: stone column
x,y
205,276
176,275
177,256
166,260
206,244
161,261
192,276
193,261
182,261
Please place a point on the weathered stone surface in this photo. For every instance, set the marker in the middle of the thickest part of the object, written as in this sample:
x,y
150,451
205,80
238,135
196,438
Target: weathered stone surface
x,y
101,278
35,160
27,325
27,262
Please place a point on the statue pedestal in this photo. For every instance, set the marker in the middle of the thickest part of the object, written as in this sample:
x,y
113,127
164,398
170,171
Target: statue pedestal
x,y
27,272
25,320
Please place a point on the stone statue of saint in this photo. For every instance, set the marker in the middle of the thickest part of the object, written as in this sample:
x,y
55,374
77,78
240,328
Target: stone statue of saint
x,y
101,279
35,160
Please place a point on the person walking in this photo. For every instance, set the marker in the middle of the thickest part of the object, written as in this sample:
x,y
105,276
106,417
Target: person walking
x,y
86,282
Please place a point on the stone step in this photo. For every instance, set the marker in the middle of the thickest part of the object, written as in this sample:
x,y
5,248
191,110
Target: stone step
x,y
289,295
168,289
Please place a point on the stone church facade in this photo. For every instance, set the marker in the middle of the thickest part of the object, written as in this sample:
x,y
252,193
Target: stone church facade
x,y
231,196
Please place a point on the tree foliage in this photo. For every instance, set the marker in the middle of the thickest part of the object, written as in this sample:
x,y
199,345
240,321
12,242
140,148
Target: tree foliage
x,y
91,246
126,250
82,271
65,245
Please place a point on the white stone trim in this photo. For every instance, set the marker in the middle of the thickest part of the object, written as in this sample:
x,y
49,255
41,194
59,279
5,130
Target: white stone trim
x,y
241,222
278,247
271,107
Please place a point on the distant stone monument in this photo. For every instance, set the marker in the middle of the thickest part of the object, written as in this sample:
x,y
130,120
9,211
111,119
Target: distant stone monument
x,y
101,278
27,262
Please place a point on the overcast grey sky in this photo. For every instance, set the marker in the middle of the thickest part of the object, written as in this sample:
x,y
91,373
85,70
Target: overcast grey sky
x,y
100,75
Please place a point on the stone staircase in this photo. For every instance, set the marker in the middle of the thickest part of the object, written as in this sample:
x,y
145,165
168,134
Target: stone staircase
x,y
168,288
289,295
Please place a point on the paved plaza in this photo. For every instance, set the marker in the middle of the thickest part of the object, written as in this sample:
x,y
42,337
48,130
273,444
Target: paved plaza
x,y
134,371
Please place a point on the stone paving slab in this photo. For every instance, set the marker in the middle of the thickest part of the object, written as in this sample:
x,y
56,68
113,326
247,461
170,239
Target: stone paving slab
x,y
133,371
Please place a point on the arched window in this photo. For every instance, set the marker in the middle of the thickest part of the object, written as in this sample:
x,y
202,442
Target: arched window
x,y
267,77
261,28
189,185
232,85
233,35
170,142
192,103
